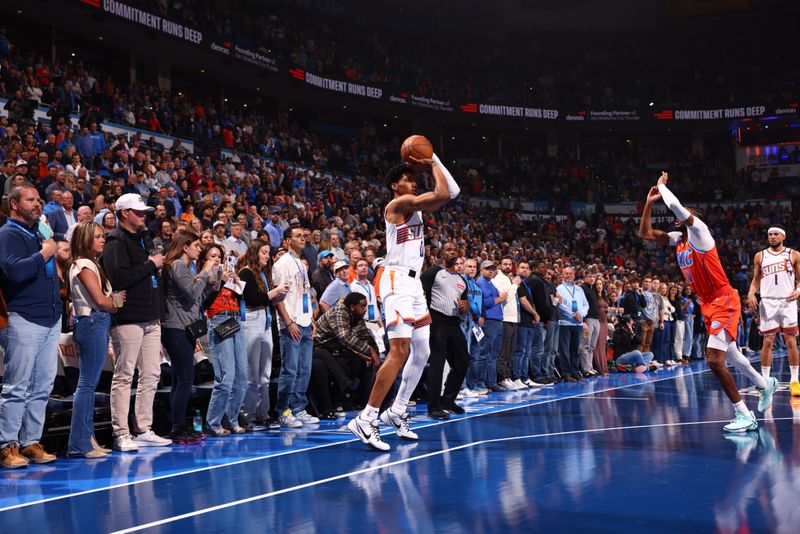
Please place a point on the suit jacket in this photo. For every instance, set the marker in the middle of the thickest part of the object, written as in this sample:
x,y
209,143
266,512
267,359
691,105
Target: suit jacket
x,y
58,222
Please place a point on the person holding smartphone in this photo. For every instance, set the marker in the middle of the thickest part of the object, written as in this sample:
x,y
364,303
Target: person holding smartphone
x,y
255,270
226,349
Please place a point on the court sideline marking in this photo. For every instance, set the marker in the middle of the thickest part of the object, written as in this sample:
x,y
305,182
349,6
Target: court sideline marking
x,y
407,460
687,372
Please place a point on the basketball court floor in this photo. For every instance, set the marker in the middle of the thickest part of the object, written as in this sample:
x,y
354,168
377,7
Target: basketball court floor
x,y
626,453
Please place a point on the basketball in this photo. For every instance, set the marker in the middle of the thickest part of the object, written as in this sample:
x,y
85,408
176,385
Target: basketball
x,y
416,146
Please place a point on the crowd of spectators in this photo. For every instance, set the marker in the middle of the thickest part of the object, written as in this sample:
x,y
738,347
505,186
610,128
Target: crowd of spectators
x,y
178,232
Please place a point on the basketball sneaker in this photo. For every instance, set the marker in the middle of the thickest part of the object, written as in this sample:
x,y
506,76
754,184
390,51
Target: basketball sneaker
x,y
368,433
400,424
766,394
794,389
742,422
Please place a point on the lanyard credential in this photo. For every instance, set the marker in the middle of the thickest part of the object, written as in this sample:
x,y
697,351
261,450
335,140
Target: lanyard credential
x,y
370,305
306,307
153,279
49,264
269,314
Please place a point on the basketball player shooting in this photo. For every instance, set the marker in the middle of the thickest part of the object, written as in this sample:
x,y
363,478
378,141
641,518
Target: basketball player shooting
x,y
775,277
407,318
700,265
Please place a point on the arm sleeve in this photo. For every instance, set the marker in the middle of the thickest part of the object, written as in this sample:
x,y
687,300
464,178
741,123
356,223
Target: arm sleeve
x,y
584,308
673,203
426,279
699,234
565,306
16,267
488,297
347,336
452,186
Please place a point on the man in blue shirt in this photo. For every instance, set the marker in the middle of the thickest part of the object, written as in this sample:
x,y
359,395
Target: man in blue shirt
x,y
274,229
571,311
477,371
337,289
493,325
31,288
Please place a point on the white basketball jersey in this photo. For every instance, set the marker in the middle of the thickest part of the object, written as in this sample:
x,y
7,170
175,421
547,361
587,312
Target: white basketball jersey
x,y
405,243
777,274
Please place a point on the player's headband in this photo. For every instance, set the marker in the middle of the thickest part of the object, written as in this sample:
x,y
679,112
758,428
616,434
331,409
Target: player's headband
x,y
776,229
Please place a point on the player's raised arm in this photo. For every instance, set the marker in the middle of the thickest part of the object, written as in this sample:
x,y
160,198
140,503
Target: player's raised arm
x,y
444,189
646,230
699,234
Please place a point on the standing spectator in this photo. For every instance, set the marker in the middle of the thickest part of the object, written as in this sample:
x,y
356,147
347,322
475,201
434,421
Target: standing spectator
x,y
493,325
296,333
552,330
274,229
505,284
528,318
372,316
337,289
31,288
592,322
84,213
55,215
323,276
649,313
255,270
184,289
688,335
572,309
679,304
310,252
446,293
228,354
93,305
600,360
136,330
476,371
543,306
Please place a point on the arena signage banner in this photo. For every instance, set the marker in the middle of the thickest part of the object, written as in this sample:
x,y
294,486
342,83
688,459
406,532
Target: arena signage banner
x,y
148,20
522,112
338,86
259,58
711,114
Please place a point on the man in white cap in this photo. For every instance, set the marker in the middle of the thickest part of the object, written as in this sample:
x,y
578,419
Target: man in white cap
x,y
775,277
132,265
337,289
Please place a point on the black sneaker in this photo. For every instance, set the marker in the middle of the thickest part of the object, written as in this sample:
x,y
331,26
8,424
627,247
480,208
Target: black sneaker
x,y
439,415
452,407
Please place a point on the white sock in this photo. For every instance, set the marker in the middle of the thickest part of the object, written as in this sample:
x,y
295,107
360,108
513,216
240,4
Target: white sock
x,y
793,371
369,413
765,371
743,364
741,407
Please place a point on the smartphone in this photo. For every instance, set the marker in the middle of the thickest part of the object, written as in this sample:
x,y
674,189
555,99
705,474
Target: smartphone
x,y
231,263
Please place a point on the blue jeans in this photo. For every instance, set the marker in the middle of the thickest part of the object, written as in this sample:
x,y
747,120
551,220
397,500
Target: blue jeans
x,y
477,366
91,336
550,349
296,358
635,357
229,359
522,356
258,339
490,350
180,348
537,351
688,335
569,344
31,362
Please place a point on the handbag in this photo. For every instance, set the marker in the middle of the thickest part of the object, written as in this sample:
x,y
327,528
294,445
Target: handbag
x,y
197,329
227,328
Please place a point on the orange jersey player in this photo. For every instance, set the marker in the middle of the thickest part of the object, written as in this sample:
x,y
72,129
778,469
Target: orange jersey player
x,y
720,305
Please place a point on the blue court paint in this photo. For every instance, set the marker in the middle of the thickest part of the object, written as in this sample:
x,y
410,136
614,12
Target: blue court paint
x,y
574,458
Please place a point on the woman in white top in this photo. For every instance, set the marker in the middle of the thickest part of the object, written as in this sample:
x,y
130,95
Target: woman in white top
x,y
92,304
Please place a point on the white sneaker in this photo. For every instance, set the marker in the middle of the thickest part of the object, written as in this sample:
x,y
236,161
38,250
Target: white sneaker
x,y
125,443
742,422
466,393
520,384
531,384
509,384
480,392
288,420
306,418
151,439
368,433
400,424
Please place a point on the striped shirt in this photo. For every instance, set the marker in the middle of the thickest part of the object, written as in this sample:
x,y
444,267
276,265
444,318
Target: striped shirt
x,y
443,290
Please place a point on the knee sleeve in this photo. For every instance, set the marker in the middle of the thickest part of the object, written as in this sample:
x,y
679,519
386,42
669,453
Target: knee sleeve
x,y
412,371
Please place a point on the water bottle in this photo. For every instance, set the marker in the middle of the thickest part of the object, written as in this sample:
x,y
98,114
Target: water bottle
x,y
198,421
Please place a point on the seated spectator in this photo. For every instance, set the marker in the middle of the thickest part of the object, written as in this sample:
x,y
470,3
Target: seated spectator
x,y
343,334
625,346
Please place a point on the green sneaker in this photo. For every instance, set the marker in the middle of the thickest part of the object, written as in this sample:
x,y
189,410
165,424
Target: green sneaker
x,y
766,394
742,422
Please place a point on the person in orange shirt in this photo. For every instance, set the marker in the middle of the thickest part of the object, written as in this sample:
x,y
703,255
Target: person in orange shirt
x,y
721,307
